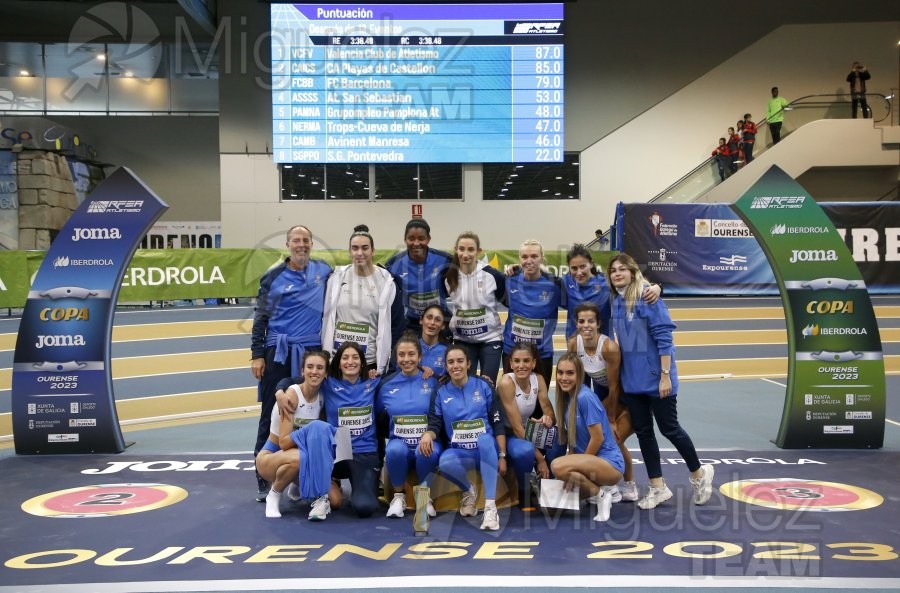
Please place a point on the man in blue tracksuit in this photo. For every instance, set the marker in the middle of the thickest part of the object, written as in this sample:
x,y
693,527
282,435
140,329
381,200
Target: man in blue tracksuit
x,y
287,320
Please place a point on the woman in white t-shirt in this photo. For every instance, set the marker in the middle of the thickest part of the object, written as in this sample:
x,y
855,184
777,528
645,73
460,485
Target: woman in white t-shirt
x,y
523,395
601,358
362,305
276,461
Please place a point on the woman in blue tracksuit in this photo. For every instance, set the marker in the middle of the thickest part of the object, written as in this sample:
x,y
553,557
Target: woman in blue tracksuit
x,y
405,398
350,402
533,297
585,283
421,272
467,413
649,379
594,462
434,349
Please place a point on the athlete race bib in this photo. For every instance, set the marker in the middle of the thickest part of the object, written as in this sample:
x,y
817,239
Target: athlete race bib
x,y
528,330
466,433
419,301
301,422
357,420
410,428
471,322
351,332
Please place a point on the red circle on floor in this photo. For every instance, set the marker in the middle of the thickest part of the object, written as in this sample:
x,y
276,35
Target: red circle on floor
x,y
801,494
105,500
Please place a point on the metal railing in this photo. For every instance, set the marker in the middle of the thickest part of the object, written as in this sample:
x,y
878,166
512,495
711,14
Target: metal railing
x,y
798,112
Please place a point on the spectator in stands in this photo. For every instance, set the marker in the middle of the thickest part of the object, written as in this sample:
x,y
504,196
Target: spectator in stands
x,y
723,157
734,147
857,79
775,114
748,129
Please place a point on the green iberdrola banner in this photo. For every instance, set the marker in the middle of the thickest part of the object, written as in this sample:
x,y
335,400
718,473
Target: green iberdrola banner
x,y
171,274
836,385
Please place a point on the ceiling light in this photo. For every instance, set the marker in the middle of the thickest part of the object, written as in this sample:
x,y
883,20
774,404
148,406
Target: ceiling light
x,y
24,73
101,57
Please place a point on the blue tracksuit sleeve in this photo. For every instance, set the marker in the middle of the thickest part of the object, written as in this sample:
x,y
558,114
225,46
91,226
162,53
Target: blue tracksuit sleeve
x,y
563,295
496,416
261,314
287,382
660,326
435,417
398,312
500,280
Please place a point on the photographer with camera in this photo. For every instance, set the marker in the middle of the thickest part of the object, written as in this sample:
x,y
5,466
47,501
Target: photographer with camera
x,y
857,79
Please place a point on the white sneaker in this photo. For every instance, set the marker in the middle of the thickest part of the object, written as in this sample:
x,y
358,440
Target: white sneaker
x,y
429,509
615,495
293,491
612,491
654,497
272,500
398,505
320,508
467,503
703,485
491,521
604,505
629,491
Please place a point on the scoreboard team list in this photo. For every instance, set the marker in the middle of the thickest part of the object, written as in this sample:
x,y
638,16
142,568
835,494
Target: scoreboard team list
x,y
417,83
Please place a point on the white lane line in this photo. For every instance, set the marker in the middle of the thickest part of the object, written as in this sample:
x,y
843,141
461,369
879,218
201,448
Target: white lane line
x,y
478,582
775,382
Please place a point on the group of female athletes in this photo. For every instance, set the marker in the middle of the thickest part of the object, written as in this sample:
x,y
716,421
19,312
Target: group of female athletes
x,y
439,406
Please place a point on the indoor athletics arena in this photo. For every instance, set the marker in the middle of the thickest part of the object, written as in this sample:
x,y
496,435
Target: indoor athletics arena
x,y
156,159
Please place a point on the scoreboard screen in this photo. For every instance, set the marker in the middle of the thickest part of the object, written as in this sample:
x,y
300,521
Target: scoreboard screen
x,y
417,83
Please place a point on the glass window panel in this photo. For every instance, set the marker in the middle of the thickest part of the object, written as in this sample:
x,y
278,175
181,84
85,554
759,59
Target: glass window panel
x,y
302,182
440,182
347,182
396,182
21,77
135,94
76,77
533,181
195,94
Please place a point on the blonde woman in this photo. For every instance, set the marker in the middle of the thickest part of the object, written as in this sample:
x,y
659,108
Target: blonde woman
x,y
649,380
534,297
594,462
